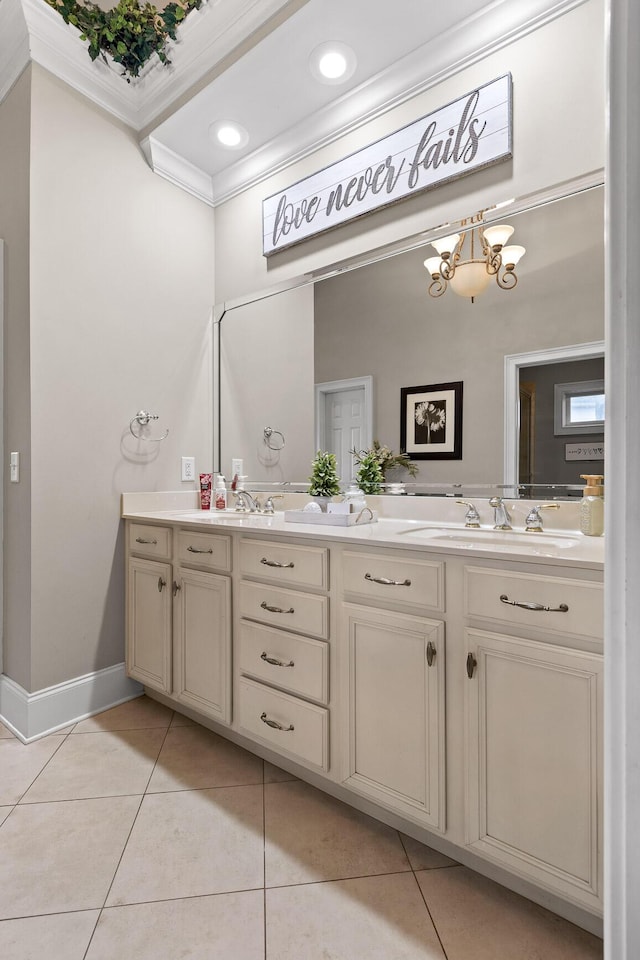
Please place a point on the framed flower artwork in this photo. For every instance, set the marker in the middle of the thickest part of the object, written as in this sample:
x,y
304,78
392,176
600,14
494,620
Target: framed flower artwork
x,y
431,421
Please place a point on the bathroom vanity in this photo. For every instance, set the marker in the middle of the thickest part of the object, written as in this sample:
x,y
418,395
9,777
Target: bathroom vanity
x,y
440,678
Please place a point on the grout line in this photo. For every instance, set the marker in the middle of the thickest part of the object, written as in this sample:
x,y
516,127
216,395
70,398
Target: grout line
x,y
361,876
424,899
42,769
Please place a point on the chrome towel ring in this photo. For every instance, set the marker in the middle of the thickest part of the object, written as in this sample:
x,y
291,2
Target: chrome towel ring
x,y
268,434
142,418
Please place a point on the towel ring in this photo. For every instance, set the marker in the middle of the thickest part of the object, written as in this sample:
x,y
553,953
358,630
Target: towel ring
x,y
142,418
268,434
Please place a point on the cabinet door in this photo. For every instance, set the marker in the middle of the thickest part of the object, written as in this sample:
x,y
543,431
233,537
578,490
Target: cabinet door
x,y
149,623
394,680
202,642
534,727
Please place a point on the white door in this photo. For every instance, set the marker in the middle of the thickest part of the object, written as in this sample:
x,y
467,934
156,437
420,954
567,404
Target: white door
x,y
343,421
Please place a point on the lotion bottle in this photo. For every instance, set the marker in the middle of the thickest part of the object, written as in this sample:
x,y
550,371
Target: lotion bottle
x,y
220,498
592,506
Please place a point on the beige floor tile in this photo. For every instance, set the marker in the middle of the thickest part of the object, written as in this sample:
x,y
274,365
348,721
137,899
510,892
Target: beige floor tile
x,y
480,920
106,764
5,733
179,720
194,757
274,774
193,843
422,857
21,763
62,856
311,836
58,936
229,926
371,918
132,715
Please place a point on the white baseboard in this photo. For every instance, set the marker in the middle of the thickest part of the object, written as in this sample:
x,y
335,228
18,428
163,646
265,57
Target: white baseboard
x,y
33,715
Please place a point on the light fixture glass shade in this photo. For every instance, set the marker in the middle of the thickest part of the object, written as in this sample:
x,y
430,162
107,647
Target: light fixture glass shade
x,y
446,244
470,278
433,265
497,235
512,255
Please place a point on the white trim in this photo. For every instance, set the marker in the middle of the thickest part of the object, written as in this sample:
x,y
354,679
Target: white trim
x,y
14,45
512,364
33,715
321,390
2,456
622,504
170,165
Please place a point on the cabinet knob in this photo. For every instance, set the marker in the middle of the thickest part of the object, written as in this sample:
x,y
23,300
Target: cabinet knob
x,y
472,663
431,653
176,587
161,583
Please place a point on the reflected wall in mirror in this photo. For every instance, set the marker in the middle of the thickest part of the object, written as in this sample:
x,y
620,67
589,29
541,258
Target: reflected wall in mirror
x,y
378,321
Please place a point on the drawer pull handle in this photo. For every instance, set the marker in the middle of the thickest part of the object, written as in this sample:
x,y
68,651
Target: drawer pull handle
x,y
161,583
384,580
197,550
472,663
276,563
431,654
275,724
142,540
275,662
176,587
563,608
265,606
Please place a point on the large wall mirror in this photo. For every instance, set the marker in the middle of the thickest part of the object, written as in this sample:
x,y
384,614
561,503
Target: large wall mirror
x,y
282,353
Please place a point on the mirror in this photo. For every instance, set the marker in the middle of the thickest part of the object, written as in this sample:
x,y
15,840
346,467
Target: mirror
x,y
378,322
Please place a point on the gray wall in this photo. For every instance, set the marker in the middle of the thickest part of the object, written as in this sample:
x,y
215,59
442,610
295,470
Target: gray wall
x,y
121,294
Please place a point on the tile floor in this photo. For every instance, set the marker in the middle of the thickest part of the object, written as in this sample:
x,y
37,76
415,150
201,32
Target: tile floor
x,y
140,835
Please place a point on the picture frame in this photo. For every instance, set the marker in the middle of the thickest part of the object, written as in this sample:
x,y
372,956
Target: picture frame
x,y
431,421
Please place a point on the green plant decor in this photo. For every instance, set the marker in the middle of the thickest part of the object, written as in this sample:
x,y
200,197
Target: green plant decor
x,y
386,458
369,477
130,32
324,479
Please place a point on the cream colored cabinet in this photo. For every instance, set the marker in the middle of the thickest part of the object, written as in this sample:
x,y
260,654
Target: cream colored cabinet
x,y
179,616
533,718
393,681
283,649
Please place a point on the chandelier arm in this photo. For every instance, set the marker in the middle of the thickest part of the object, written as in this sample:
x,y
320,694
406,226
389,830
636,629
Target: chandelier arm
x,y
438,286
507,281
494,263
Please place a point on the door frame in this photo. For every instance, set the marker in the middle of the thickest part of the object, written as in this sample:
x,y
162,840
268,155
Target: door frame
x,y
512,364
322,390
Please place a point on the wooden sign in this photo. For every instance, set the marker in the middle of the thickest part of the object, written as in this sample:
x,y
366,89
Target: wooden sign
x,y
466,135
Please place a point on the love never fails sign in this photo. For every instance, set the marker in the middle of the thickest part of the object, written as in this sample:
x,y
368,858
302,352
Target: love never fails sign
x,y
471,133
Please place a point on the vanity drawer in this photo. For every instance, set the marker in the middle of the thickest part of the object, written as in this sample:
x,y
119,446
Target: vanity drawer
x,y
413,582
584,599
150,541
301,665
290,609
206,549
303,729
295,565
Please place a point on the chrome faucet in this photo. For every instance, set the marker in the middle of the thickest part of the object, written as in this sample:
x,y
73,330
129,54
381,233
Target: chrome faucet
x,y
533,523
471,517
267,506
245,503
501,517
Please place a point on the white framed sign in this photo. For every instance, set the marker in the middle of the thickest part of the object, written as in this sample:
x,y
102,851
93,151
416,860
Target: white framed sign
x,y
453,141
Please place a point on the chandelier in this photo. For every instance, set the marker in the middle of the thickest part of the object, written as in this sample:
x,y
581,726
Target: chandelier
x,y
469,271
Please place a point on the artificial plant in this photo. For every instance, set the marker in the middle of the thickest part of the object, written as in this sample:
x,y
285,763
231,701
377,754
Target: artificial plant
x,y
369,477
324,480
386,458
130,32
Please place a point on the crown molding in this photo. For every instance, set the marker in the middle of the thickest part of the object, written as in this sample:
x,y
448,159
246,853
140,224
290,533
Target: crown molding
x,y
14,45
170,165
32,30
470,41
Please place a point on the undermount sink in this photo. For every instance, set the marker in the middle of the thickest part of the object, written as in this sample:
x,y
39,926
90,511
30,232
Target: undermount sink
x,y
508,540
241,519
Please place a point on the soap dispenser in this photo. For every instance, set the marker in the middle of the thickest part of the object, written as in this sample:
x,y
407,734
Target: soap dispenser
x,y
592,506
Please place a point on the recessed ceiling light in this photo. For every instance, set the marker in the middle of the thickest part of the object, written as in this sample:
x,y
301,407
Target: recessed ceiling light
x,y
227,133
332,62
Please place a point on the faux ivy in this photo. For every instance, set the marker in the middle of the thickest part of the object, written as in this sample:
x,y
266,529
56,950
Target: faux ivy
x,y
130,32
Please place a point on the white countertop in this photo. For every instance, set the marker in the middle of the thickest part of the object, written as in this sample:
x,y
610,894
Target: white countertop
x,y
555,546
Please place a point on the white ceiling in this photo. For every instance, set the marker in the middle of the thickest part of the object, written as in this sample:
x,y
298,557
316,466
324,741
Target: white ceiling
x,y
272,93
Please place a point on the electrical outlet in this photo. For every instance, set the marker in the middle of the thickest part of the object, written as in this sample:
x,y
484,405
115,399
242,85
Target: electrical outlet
x,y
188,468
